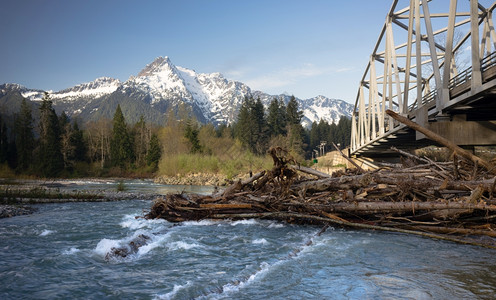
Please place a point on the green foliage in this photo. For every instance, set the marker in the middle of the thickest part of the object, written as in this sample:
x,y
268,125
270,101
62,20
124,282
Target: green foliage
x,y
121,148
121,187
154,152
24,137
191,133
293,114
78,144
251,126
4,141
51,161
338,134
276,118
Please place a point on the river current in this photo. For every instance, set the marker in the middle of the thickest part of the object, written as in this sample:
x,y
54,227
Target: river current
x,y
62,252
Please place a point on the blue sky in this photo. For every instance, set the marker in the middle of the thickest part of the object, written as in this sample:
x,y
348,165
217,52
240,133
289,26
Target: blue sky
x,y
304,48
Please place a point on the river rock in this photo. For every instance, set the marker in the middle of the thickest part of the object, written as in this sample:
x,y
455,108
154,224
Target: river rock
x,y
7,211
194,179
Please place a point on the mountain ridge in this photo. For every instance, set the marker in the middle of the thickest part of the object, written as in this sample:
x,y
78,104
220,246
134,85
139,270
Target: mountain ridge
x,y
161,86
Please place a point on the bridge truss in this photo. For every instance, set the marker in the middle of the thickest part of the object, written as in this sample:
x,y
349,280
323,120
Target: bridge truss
x,y
434,62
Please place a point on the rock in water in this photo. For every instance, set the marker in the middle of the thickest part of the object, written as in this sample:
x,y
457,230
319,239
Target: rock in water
x,y
133,247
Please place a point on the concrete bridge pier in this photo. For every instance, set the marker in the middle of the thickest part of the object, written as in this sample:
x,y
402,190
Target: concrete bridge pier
x,y
461,131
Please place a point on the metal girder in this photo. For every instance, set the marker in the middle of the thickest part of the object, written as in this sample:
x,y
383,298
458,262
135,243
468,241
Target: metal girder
x,y
432,78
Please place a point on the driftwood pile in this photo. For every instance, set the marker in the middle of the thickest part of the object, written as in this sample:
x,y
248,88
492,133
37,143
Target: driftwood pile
x,y
453,200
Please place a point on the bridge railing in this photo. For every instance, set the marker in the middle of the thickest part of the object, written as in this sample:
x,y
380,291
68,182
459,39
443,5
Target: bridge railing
x,y
461,78
488,61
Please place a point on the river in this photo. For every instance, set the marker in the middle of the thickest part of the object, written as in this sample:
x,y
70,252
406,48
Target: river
x,y
61,252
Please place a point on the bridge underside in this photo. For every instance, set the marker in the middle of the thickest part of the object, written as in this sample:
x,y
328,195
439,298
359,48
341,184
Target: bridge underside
x,y
471,122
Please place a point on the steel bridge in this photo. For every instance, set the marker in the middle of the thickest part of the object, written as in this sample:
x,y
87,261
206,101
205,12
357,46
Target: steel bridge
x,y
435,63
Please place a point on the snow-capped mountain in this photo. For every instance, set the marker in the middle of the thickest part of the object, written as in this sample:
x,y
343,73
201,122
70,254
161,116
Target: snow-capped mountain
x,y
212,97
314,109
161,86
323,108
100,87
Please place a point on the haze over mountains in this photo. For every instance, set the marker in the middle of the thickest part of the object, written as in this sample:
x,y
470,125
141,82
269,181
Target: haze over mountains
x,y
161,86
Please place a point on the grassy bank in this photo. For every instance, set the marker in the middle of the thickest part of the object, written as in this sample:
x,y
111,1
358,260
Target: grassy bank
x,y
182,164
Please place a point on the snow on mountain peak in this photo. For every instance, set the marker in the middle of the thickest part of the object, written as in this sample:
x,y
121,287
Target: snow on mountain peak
x,y
97,88
159,65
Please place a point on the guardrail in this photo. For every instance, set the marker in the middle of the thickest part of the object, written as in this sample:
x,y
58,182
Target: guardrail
x,y
461,78
488,61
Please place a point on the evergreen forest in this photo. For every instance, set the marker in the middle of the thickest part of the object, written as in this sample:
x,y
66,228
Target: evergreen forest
x,y
56,146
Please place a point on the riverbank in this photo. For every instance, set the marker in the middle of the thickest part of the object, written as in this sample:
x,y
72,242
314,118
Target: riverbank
x,y
17,195
20,206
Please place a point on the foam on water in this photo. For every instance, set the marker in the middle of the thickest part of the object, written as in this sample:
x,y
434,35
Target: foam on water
x,y
46,232
276,225
157,241
200,223
70,251
236,285
130,221
104,246
259,274
174,292
260,241
245,222
182,245
265,268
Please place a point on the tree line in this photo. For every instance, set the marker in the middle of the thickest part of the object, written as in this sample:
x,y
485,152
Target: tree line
x,y
58,147
280,125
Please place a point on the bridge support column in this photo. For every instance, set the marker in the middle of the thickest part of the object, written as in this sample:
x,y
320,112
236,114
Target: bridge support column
x,y
463,132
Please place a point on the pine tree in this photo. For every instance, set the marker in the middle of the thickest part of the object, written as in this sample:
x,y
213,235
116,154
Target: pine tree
x,y
4,141
296,133
66,147
50,155
24,138
314,136
276,118
141,133
293,114
251,127
344,132
78,143
191,133
154,152
243,128
260,128
121,148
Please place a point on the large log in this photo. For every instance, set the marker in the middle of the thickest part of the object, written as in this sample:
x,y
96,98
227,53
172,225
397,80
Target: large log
x,y
451,230
310,171
337,183
365,207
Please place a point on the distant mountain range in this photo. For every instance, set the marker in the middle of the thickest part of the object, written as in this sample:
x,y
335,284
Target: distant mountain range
x,y
162,85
